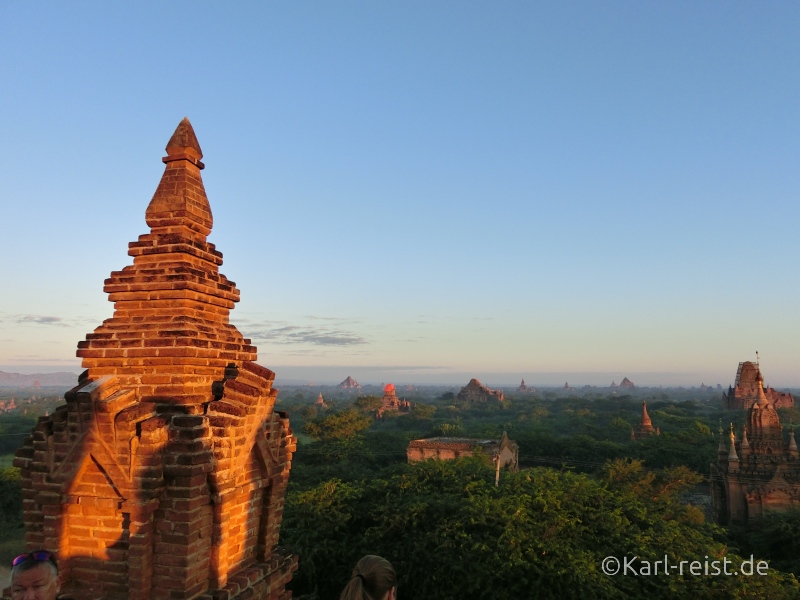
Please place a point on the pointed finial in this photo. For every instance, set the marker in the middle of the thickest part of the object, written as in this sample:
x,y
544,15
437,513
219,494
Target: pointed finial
x,y
721,449
745,443
183,145
762,401
792,443
646,422
732,452
180,201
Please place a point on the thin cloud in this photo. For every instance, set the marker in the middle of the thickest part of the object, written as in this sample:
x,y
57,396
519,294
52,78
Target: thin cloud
x,y
41,320
317,336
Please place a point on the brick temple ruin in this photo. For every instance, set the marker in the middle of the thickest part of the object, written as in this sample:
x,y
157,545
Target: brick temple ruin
x,y
503,453
163,476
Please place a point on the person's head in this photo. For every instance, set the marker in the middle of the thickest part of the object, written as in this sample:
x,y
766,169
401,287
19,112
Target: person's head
x,y
34,576
372,579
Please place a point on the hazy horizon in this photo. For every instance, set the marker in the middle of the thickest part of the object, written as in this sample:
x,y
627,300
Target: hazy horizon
x,y
409,375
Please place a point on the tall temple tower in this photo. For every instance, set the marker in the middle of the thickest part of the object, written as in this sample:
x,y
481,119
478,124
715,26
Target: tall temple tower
x,y
745,393
163,476
759,473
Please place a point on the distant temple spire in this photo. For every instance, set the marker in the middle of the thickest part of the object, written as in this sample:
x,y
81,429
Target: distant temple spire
x,y
645,427
646,422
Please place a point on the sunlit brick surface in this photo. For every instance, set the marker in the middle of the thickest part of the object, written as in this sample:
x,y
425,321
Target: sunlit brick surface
x,y
163,476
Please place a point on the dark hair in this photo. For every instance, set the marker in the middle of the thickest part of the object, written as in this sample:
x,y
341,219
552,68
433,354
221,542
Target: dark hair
x,y
371,579
29,560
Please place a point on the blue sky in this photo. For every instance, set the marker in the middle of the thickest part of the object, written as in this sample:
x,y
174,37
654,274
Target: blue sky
x,y
432,189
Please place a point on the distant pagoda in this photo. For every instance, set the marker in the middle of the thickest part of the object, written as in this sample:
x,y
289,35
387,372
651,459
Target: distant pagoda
x,y
391,403
350,384
524,388
646,428
475,391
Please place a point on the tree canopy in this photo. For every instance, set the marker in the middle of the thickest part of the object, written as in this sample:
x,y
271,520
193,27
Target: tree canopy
x,y
451,534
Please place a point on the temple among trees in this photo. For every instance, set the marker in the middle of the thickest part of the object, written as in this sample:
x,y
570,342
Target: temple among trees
x,y
757,473
350,384
503,452
646,428
391,403
475,391
163,476
745,392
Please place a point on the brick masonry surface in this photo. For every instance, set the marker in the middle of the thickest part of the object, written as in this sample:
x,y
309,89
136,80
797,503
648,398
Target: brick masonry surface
x,y
163,475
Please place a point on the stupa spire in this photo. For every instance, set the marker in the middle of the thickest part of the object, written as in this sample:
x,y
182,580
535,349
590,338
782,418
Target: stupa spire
x,y
745,445
762,397
170,335
180,204
646,422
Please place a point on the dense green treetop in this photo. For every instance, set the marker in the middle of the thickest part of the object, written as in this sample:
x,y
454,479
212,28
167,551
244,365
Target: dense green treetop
x,y
451,534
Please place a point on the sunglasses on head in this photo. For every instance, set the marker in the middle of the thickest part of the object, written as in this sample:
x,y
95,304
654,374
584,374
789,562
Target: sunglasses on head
x,y
35,556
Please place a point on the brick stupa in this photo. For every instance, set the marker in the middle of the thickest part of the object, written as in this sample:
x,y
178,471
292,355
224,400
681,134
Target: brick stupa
x,y
164,474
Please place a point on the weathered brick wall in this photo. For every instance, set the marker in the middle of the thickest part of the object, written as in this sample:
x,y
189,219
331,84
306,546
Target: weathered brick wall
x,y
163,475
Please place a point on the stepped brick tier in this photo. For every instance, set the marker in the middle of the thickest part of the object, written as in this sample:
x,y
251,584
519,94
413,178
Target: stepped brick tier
x,y
749,381
758,474
164,474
